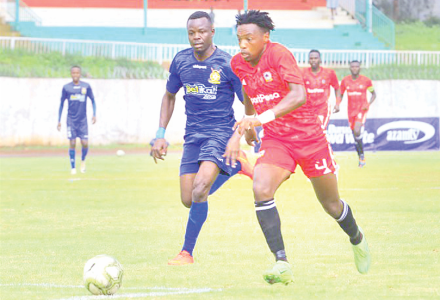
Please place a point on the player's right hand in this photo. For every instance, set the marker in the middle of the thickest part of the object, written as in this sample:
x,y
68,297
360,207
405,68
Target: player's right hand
x,y
59,126
159,149
251,137
336,108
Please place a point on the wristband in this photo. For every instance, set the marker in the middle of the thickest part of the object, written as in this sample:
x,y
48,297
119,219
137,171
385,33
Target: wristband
x,y
338,100
160,134
266,117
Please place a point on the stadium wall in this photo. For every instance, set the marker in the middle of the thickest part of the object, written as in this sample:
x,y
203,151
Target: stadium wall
x,y
128,110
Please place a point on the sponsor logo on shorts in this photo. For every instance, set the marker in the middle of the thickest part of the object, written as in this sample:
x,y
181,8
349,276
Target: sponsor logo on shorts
x,y
261,98
409,132
220,159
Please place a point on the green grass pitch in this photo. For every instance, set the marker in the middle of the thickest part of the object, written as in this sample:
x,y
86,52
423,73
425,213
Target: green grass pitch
x,y
128,207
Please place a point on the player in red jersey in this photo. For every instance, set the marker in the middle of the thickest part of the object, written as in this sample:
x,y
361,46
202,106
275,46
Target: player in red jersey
x,y
274,89
357,86
317,82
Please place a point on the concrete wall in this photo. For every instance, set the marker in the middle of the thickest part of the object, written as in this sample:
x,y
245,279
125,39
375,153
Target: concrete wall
x,y
128,110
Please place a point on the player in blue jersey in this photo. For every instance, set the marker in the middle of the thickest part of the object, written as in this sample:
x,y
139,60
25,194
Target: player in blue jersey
x,y
76,93
210,86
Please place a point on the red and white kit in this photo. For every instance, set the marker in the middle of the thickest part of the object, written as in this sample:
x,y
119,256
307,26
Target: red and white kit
x,y
357,97
296,138
318,91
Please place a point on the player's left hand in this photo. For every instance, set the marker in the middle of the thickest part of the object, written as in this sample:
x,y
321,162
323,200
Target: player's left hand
x,y
232,151
93,120
246,124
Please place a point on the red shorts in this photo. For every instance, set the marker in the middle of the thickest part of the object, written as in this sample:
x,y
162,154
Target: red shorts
x,y
289,155
357,117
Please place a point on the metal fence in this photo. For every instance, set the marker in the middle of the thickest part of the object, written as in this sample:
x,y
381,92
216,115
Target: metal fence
x,y
166,52
23,14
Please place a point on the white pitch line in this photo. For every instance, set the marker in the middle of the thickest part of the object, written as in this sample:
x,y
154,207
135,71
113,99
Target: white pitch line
x,y
50,285
140,295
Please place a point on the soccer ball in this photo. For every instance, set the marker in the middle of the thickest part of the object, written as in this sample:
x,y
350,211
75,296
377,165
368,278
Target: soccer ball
x,y
103,275
120,153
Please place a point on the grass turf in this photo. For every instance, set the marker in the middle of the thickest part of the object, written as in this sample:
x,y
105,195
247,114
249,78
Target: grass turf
x,y
128,207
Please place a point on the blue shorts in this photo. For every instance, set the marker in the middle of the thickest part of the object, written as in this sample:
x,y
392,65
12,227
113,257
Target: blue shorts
x,y
200,147
77,130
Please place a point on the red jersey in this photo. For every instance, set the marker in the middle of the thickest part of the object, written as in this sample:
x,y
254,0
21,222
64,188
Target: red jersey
x,y
356,92
268,83
318,87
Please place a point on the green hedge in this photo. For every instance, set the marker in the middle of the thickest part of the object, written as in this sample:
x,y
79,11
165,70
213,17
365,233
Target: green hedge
x,y
387,72
417,36
54,65
20,63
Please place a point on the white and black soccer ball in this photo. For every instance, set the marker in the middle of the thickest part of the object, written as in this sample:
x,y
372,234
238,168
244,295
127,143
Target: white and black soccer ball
x,y
103,275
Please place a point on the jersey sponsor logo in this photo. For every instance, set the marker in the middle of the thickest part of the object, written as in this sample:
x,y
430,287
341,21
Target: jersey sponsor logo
x,y
84,91
77,97
76,87
354,93
315,91
407,131
243,82
267,76
201,90
261,98
199,67
214,78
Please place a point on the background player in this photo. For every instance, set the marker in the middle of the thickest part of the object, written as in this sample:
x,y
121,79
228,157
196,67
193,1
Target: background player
x,y
357,86
76,93
274,88
317,82
205,74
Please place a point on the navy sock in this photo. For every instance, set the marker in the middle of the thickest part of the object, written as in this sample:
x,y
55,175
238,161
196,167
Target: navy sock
x,y
222,178
269,219
348,224
84,153
197,216
72,158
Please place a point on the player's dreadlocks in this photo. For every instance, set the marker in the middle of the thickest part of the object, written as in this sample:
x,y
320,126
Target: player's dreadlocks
x,y
199,15
259,18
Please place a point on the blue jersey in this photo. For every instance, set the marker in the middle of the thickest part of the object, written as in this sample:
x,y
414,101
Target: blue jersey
x,y
76,95
209,88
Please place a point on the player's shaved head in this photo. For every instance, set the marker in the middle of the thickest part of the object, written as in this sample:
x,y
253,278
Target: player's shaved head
x,y
199,15
75,73
315,51
355,67
200,34
259,18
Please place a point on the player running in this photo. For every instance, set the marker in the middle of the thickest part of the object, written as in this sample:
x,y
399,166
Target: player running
x,y
76,93
357,86
205,73
274,89
317,84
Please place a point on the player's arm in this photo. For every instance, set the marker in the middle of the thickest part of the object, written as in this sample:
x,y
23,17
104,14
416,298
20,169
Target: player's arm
x,y
293,100
92,98
160,146
339,100
60,110
373,96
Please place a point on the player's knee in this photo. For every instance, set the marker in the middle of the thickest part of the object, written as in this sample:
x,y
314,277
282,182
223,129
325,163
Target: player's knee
x,y
200,190
262,191
186,201
333,207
